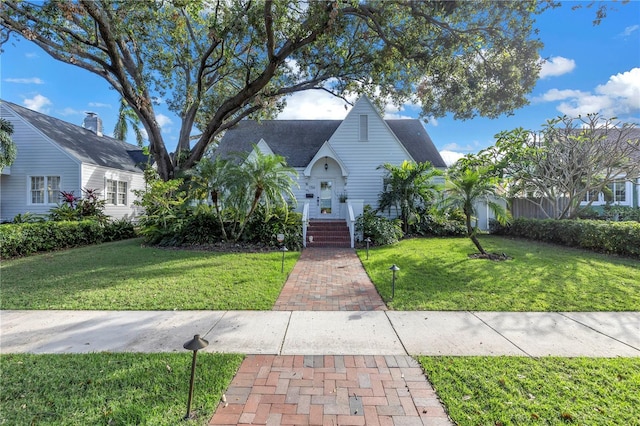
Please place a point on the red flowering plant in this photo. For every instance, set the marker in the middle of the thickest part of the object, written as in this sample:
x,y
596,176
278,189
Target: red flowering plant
x,y
69,198
89,206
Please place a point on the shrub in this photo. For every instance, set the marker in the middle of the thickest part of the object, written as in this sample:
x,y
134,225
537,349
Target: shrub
x,y
28,238
264,227
610,237
120,229
612,213
439,224
27,217
381,230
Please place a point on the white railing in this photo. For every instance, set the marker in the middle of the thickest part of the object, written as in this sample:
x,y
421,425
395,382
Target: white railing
x,y
305,223
351,221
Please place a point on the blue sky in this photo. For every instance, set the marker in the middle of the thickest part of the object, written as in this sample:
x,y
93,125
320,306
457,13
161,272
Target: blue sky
x,y
589,69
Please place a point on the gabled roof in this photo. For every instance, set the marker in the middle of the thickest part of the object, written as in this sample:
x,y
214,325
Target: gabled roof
x,y
298,140
83,144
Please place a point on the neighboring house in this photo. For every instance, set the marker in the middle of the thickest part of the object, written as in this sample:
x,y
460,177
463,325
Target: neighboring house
x,y
336,159
623,191
55,156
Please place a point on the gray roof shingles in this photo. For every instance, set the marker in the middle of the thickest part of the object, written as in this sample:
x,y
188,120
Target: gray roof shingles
x,y
83,144
299,140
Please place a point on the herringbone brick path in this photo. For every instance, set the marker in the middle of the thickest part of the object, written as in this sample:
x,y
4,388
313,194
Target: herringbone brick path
x,y
330,390
329,279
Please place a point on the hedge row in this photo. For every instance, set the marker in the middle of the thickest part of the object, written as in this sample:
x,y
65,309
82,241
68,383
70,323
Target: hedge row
x,y
610,237
27,238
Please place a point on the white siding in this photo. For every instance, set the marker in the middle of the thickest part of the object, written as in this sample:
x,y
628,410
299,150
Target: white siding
x,y
95,177
37,156
362,158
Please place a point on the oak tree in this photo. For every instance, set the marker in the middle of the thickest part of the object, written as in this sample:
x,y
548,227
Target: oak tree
x,y
215,62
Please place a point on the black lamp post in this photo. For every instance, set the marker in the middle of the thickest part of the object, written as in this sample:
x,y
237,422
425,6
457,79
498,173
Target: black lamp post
x,y
368,240
194,345
394,268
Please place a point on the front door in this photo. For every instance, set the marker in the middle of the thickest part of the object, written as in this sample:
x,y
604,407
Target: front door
x,y
325,199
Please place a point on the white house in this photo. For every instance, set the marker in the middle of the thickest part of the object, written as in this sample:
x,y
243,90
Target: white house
x,y
336,159
55,156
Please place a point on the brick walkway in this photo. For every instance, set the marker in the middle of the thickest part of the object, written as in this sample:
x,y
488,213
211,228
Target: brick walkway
x,y
329,279
330,390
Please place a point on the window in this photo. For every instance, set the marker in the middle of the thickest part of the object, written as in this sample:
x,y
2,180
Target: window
x,y
616,192
364,127
122,193
116,192
44,189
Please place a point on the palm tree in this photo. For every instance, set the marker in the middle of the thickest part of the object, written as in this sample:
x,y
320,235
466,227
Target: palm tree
x,y
465,188
127,116
407,187
211,178
261,178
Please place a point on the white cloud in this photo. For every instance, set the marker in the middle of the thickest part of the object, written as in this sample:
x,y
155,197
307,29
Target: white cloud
x,y
555,66
32,80
38,103
163,121
99,105
31,55
70,111
432,121
630,30
450,157
453,146
624,90
559,95
314,105
618,97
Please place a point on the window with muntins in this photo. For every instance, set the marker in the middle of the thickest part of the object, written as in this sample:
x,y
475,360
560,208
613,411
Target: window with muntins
x,y
116,192
122,193
364,127
616,192
44,189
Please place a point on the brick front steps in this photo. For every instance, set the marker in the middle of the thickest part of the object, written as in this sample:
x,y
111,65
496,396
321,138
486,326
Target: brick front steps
x,y
328,233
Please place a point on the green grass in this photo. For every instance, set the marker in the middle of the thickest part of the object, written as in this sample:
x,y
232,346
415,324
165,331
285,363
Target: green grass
x,y
437,274
125,276
111,389
545,391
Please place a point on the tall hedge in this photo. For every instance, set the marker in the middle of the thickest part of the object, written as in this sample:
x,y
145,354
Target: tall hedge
x,y
610,237
27,238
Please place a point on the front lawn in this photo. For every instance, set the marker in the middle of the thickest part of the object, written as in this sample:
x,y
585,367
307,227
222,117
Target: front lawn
x,y
437,274
125,276
111,389
544,391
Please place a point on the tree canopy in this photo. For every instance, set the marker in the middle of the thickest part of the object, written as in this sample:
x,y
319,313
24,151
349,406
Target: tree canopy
x,y
8,150
216,62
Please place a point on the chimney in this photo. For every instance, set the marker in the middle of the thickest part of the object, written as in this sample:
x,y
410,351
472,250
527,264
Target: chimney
x,y
93,122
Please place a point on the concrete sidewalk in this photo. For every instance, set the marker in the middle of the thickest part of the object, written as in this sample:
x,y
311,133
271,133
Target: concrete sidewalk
x,y
600,334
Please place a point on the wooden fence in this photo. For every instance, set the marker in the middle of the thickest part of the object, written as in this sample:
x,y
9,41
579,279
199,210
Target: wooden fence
x,y
535,208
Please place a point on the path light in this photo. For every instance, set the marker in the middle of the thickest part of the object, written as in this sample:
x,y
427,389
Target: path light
x,y
394,268
194,345
368,240
283,249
